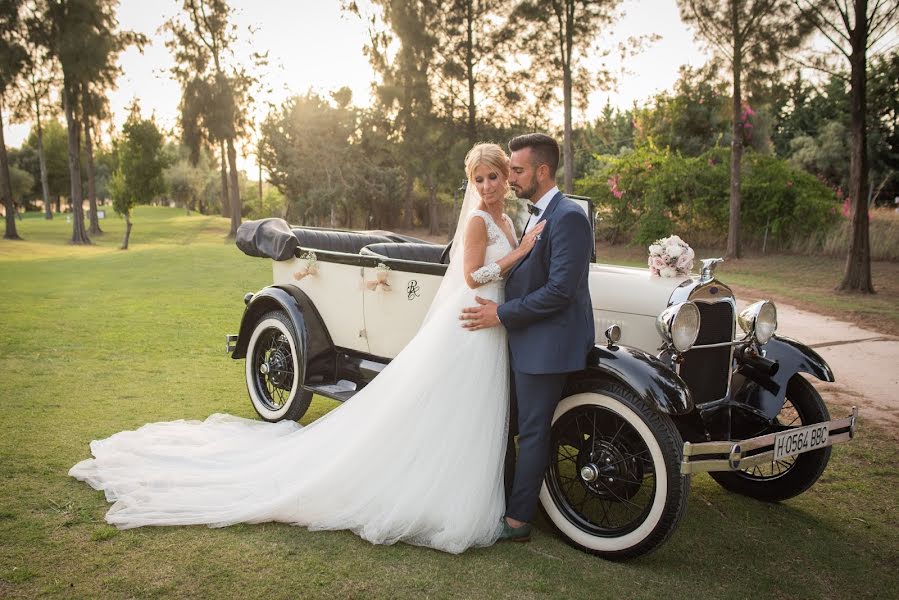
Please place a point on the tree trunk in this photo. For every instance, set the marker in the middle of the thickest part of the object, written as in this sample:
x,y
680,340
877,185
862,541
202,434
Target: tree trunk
x,y
409,206
235,189
857,274
734,248
127,231
433,214
6,186
226,203
568,143
79,235
469,72
91,178
42,159
59,203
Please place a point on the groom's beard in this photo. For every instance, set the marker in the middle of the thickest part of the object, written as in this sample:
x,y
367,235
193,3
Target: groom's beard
x,y
526,193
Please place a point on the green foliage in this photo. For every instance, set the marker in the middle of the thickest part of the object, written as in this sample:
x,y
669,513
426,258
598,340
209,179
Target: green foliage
x,y
21,182
13,54
55,153
330,161
139,176
649,193
691,119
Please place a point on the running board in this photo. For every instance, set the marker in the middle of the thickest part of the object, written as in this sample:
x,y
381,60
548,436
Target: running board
x,y
341,391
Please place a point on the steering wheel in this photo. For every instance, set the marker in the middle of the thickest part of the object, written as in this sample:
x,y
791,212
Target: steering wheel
x,y
444,256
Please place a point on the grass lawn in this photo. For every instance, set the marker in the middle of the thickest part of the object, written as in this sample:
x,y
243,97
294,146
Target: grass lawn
x,y
95,340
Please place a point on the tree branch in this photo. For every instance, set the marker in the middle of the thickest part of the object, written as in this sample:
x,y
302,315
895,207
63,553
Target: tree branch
x,y
821,68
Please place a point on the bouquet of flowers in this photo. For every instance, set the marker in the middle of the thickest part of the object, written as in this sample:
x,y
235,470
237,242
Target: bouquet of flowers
x,y
670,257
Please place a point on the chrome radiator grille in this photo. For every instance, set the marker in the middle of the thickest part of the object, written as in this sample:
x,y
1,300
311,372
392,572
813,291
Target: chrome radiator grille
x,y
707,370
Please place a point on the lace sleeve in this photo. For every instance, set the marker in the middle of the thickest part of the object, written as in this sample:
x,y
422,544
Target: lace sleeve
x,y
487,273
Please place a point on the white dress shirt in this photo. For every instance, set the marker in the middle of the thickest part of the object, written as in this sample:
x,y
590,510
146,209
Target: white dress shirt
x,y
542,204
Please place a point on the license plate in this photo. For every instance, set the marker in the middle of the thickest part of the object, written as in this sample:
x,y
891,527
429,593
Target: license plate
x,y
799,440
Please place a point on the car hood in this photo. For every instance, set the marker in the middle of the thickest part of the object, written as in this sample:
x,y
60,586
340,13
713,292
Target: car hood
x,y
630,289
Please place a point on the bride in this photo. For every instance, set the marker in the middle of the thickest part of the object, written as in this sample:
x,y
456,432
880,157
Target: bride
x,y
416,456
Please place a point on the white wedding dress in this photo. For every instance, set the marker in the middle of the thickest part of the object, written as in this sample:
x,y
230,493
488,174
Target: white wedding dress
x,y
416,456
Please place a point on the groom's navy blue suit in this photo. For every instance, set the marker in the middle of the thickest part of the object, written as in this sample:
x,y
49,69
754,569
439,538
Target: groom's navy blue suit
x,y
549,320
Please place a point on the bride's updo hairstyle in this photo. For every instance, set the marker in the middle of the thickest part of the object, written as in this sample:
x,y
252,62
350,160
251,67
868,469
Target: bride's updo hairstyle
x,y
490,155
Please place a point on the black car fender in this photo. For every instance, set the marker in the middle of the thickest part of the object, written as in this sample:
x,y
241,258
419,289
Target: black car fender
x,y
314,339
765,393
650,378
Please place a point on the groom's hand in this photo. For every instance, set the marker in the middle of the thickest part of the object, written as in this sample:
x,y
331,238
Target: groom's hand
x,y
480,317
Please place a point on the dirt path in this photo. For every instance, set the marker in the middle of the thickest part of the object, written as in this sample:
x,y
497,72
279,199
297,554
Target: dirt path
x,y
865,362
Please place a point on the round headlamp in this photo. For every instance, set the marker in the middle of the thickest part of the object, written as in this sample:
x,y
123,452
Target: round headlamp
x,y
679,325
759,320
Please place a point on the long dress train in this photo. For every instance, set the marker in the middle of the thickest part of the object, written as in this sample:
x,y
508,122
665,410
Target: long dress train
x,y
415,456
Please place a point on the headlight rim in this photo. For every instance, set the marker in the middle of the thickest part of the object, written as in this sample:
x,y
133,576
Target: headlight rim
x,y
748,320
665,323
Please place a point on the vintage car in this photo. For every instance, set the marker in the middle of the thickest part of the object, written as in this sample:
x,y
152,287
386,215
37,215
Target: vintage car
x,y
678,382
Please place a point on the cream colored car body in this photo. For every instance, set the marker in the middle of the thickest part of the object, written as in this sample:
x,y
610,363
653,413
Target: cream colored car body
x,y
381,320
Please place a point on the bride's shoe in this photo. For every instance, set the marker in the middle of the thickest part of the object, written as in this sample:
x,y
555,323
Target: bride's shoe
x,y
515,534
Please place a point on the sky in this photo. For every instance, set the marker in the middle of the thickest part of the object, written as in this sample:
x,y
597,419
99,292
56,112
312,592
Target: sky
x,y
312,45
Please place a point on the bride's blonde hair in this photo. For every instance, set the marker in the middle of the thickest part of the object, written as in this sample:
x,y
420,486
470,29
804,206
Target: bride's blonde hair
x,y
490,155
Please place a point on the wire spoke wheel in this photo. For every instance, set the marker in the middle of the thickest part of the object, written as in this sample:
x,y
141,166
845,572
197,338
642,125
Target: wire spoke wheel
x,y
613,487
790,476
602,474
274,369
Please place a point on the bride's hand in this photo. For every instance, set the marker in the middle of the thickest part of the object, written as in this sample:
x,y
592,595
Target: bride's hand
x,y
530,238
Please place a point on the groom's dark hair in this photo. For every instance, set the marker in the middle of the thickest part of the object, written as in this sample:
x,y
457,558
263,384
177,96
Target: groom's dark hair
x,y
545,149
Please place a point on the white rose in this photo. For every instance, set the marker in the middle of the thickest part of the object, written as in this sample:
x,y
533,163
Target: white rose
x,y
655,249
674,250
667,272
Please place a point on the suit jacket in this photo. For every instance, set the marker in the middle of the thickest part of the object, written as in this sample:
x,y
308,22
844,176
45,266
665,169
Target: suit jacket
x,y
547,313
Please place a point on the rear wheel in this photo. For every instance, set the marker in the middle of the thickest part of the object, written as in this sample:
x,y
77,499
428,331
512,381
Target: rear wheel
x,y
788,477
273,370
614,487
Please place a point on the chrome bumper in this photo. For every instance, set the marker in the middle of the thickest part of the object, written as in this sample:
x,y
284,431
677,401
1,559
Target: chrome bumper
x,y
230,343
741,454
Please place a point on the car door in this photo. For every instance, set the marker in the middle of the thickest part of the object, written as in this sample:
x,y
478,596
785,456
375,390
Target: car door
x,y
396,298
333,284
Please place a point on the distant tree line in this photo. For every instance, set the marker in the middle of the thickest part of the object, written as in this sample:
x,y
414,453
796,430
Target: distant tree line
x,y
447,75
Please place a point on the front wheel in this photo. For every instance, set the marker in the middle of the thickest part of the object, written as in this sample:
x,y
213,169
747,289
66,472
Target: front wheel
x,y
614,487
273,370
790,476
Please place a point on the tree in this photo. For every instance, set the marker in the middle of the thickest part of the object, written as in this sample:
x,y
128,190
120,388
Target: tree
x,y
470,76
53,141
41,73
562,32
139,176
690,119
13,58
82,36
404,92
185,181
749,35
855,29
215,90
307,147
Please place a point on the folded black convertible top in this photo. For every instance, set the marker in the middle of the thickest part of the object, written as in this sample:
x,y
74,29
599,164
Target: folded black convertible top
x,y
267,238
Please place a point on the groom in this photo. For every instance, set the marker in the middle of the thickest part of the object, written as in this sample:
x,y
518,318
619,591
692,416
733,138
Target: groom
x,y
548,317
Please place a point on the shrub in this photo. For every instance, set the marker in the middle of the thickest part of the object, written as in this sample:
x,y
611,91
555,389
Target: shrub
x,y
649,193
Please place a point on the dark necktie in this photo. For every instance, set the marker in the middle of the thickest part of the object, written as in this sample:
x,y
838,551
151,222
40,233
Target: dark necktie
x,y
533,210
